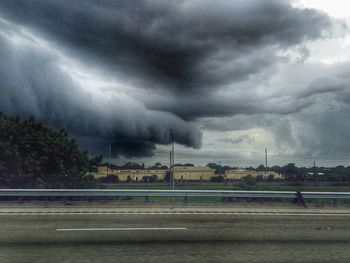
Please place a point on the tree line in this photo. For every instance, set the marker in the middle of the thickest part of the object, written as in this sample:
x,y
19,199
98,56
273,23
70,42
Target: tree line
x,y
330,174
34,156
292,173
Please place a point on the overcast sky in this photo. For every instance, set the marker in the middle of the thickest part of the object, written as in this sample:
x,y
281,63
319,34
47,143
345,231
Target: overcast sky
x,y
230,77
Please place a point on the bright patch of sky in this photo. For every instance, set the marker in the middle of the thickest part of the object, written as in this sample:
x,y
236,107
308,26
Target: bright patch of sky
x,y
336,49
335,8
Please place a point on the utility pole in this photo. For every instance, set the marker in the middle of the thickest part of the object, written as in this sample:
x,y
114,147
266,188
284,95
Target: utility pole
x,y
109,158
173,158
170,167
265,163
316,173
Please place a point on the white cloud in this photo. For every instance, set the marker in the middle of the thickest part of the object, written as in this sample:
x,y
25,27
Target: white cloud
x,y
336,8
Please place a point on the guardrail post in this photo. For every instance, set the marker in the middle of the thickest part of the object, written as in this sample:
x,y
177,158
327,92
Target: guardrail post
x,y
300,198
185,199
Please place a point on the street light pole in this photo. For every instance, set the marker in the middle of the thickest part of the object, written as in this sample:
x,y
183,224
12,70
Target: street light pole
x,y
173,159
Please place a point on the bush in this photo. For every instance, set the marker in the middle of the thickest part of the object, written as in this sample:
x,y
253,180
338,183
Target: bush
x,y
150,179
167,176
110,179
270,178
218,179
249,180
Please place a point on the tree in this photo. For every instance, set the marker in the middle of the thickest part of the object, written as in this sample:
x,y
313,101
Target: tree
x,y
259,178
276,169
212,166
110,179
218,179
130,165
270,178
158,166
35,156
260,168
167,176
94,163
150,179
218,168
249,180
290,171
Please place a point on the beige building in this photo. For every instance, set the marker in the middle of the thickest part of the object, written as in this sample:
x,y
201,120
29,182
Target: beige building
x,y
236,174
193,173
131,174
275,175
182,173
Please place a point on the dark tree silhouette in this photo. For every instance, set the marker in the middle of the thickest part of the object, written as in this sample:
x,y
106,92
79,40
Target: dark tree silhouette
x,y
35,156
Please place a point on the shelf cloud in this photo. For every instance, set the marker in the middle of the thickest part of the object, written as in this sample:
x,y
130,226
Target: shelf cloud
x,y
125,72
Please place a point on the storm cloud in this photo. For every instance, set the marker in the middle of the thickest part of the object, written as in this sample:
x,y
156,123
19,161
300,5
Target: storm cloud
x,y
184,45
35,83
124,72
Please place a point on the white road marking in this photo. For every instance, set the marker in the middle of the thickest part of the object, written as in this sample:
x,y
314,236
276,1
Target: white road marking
x,y
172,213
121,229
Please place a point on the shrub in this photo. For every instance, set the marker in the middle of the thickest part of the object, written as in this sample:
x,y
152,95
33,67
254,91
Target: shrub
x,y
218,179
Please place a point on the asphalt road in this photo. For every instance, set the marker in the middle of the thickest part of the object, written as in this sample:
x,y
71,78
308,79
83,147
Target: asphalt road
x,y
202,235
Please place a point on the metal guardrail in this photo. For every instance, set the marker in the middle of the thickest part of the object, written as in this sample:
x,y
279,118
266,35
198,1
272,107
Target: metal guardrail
x,y
326,195
170,193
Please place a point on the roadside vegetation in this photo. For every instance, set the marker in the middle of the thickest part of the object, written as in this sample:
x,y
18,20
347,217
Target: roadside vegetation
x,y
34,156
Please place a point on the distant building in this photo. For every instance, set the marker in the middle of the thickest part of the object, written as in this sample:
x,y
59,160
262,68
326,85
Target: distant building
x,y
132,174
236,174
181,173
193,173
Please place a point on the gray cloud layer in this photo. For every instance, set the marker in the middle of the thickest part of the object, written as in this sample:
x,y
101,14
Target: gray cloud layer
x,y
34,83
320,128
177,61
184,45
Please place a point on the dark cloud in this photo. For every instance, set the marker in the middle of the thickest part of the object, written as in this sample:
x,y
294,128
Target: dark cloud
x,y
237,122
182,45
170,63
34,83
232,103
